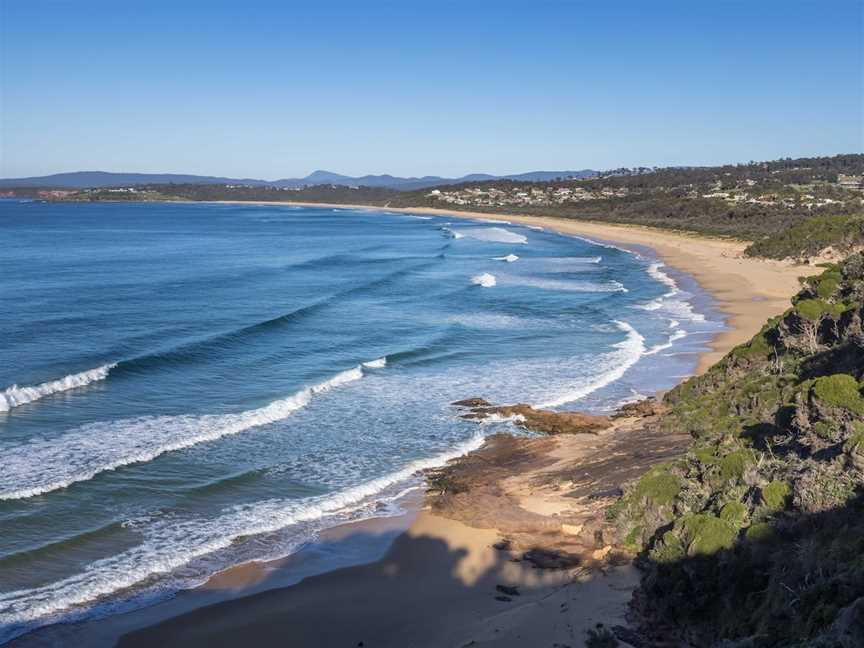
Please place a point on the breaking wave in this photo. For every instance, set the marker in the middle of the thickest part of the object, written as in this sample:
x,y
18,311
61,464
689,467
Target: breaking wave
x,y
565,285
485,280
452,233
14,396
49,465
171,544
677,335
510,258
612,367
674,301
493,235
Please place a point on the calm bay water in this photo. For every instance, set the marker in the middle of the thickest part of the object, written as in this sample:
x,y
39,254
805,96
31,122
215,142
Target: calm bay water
x,y
184,387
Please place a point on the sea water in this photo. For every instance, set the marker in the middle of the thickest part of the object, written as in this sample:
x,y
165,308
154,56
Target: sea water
x,y
185,387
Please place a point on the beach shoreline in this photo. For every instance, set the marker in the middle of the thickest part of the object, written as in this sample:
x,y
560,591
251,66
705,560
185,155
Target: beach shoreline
x,y
455,563
748,291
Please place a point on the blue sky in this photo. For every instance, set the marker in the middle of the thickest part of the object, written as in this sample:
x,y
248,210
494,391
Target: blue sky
x,y
278,89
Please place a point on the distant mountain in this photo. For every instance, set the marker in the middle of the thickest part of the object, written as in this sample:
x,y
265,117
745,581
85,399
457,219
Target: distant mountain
x,y
86,179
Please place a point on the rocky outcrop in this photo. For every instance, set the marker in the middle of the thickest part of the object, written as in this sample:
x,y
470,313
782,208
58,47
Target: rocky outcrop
x,y
536,420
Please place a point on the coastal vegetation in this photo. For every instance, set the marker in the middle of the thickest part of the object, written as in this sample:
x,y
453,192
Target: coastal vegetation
x,y
787,208
755,535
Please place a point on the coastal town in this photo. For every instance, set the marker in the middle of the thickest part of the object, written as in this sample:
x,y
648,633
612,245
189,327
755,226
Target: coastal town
x,y
847,189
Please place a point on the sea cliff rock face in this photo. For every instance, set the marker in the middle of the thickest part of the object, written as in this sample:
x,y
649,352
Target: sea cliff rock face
x,y
755,536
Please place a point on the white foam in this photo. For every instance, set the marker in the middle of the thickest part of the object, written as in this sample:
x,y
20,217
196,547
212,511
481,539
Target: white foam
x,y
634,397
535,227
14,396
380,363
493,235
452,233
612,367
170,543
674,301
565,285
510,258
655,271
500,418
51,464
494,220
676,335
571,260
485,280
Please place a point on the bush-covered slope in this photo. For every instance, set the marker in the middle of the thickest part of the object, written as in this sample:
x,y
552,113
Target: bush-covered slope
x,y
842,233
756,535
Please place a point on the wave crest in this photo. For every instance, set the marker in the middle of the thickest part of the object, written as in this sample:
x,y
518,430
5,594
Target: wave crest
x,y
49,465
485,280
613,366
14,396
173,544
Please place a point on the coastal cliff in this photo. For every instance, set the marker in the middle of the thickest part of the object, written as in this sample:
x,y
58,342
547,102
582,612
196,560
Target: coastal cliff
x,y
739,495
755,534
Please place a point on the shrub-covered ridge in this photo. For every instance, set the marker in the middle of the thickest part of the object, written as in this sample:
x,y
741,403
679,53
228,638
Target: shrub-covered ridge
x,y
755,536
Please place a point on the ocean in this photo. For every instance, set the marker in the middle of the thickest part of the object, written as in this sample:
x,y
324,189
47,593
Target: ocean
x,y
187,387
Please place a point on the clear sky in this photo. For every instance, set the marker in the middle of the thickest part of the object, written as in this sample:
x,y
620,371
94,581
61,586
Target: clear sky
x,y
261,89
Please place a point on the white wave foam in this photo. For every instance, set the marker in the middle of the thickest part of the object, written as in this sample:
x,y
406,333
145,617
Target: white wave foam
x,y
677,335
380,363
655,271
634,397
452,233
48,465
565,285
510,258
170,544
14,396
494,321
485,280
612,367
674,301
493,235
535,227
570,260
494,220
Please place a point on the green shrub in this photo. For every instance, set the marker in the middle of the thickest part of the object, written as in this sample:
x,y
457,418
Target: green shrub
x,y
776,495
706,534
827,284
855,443
734,513
810,237
826,431
669,549
659,486
759,532
839,390
633,539
733,464
705,456
758,347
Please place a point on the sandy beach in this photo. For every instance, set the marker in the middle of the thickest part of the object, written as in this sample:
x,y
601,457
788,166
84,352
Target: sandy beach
x,y
520,557
748,291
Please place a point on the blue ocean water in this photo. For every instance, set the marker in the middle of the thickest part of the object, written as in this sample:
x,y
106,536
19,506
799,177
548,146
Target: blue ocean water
x,y
184,387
